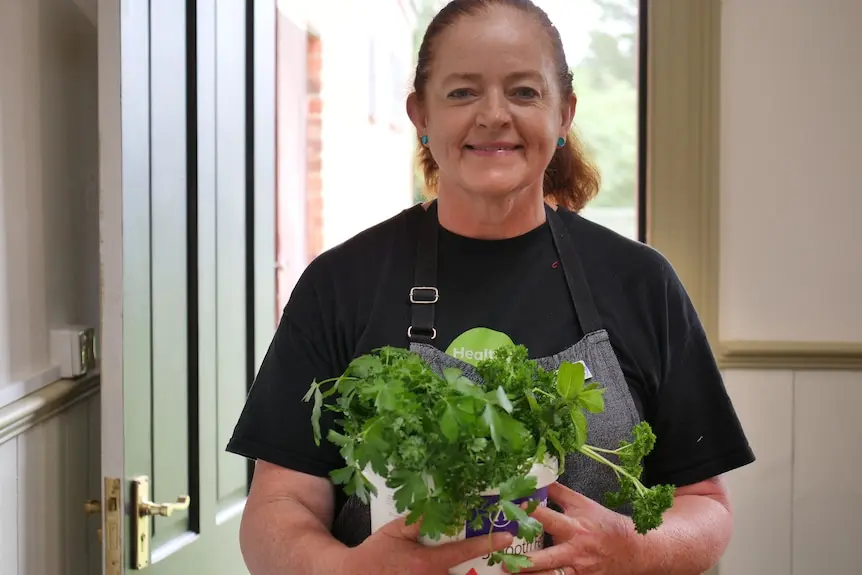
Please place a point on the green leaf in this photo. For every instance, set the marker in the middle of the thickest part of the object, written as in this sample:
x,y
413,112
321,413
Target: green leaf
x,y
308,394
518,487
435,518
365,365
389,395
514,563
359,487
592,400
503,400
570,379
580,422
413,489
467,387
541,449
532,505
513,431
337,438
374,435
342,476
315,415
531,400
451,375
491,419
560,452
528,527
449,423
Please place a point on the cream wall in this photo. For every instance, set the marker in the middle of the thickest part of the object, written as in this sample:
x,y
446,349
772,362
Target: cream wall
x,y
791,191
791,271
49,276
48,177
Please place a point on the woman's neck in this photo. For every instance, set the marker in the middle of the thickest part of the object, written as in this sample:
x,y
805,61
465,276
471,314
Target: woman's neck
x,y
493,218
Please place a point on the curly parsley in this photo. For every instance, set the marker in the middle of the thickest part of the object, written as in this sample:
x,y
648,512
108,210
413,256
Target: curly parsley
x,y
440,442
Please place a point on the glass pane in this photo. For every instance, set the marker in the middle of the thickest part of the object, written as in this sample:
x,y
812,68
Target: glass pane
x,y
601,41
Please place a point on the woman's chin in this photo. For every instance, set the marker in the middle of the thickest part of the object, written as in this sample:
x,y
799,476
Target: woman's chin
x,y
494,185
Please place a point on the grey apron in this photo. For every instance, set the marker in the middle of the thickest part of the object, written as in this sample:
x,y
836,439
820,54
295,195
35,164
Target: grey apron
x,y
605,430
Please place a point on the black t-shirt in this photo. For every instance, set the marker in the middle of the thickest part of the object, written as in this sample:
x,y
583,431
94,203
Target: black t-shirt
x,y
354,298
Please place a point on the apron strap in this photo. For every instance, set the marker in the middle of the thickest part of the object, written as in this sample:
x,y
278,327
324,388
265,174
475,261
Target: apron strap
x,y
579,289
424,294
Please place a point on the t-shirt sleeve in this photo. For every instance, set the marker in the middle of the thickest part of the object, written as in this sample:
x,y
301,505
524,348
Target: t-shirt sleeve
x,y
698,433
275,423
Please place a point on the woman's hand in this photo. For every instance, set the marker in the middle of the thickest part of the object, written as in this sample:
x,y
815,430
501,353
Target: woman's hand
x,y
589,539
394,549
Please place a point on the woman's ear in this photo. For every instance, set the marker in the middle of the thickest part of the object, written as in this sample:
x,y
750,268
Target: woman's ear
x,y
417,114
568,114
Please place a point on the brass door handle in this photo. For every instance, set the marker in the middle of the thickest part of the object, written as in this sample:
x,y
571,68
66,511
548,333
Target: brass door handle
x,y
143,509
164,509
92,507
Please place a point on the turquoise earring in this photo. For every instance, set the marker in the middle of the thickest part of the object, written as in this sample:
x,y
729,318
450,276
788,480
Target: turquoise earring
x,y
424,140
561,142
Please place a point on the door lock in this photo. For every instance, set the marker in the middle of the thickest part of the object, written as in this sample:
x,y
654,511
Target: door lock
x,y
143,509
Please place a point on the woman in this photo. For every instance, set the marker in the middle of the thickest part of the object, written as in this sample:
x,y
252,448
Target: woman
x,y
510,260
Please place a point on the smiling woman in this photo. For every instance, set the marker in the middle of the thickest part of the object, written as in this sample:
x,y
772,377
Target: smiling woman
x,y
511,102
499,255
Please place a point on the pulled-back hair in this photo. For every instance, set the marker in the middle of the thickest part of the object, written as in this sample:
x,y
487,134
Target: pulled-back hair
x,y
571,180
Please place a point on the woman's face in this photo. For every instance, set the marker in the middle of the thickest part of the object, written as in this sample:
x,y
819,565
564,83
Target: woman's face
x,y
493,110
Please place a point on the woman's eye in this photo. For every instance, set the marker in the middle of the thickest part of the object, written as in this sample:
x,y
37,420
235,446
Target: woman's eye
x,y
526,93
461,93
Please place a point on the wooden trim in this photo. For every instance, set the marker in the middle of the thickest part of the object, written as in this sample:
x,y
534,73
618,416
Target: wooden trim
x,y
682,186
45,403
792,355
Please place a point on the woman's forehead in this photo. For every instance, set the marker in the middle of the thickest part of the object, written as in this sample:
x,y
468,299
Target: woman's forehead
x,y
497,40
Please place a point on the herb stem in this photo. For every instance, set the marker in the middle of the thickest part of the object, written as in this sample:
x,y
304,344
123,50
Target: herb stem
x,y
609,451
545,393
589,452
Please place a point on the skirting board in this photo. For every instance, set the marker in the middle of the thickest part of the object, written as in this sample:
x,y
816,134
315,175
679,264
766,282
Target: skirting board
x,y
45,403
792,355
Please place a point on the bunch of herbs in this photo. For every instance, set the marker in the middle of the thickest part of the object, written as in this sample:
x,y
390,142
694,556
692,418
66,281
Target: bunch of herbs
x,y
440,442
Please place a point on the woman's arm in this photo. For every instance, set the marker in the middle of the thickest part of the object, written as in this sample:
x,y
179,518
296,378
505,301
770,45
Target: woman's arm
x,y
694,534
285,525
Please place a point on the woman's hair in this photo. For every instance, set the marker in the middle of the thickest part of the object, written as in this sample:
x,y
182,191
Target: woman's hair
x,y
571,180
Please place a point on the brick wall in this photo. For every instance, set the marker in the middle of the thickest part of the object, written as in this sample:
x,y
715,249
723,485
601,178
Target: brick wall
x,y
314,187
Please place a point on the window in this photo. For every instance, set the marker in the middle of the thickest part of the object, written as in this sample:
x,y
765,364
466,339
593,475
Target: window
x,y
602,43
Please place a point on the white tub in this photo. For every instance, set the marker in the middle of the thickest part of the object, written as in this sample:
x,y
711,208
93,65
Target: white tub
x,y
383,511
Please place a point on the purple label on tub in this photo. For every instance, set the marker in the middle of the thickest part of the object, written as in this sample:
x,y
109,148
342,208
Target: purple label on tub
x,y
500,523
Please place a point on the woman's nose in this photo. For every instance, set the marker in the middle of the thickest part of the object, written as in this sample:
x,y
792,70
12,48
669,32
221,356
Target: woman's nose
x,y
493,111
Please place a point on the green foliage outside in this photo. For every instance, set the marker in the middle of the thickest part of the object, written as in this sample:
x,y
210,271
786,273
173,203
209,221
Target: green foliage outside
x,y
606,86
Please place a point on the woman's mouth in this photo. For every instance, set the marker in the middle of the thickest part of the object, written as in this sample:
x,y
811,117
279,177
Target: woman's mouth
x,y
493,149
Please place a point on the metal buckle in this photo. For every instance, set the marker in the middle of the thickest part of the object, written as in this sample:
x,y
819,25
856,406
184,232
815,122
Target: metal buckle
x,y
433,332
435,295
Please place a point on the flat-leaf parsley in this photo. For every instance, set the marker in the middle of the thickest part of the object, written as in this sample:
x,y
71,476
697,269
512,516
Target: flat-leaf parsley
x,y
440,442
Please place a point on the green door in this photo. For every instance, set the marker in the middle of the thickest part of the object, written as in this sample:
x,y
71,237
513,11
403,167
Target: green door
x,y
187,249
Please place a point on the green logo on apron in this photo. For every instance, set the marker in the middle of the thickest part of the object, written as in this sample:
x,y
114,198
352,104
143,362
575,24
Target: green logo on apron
x,y
477,344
